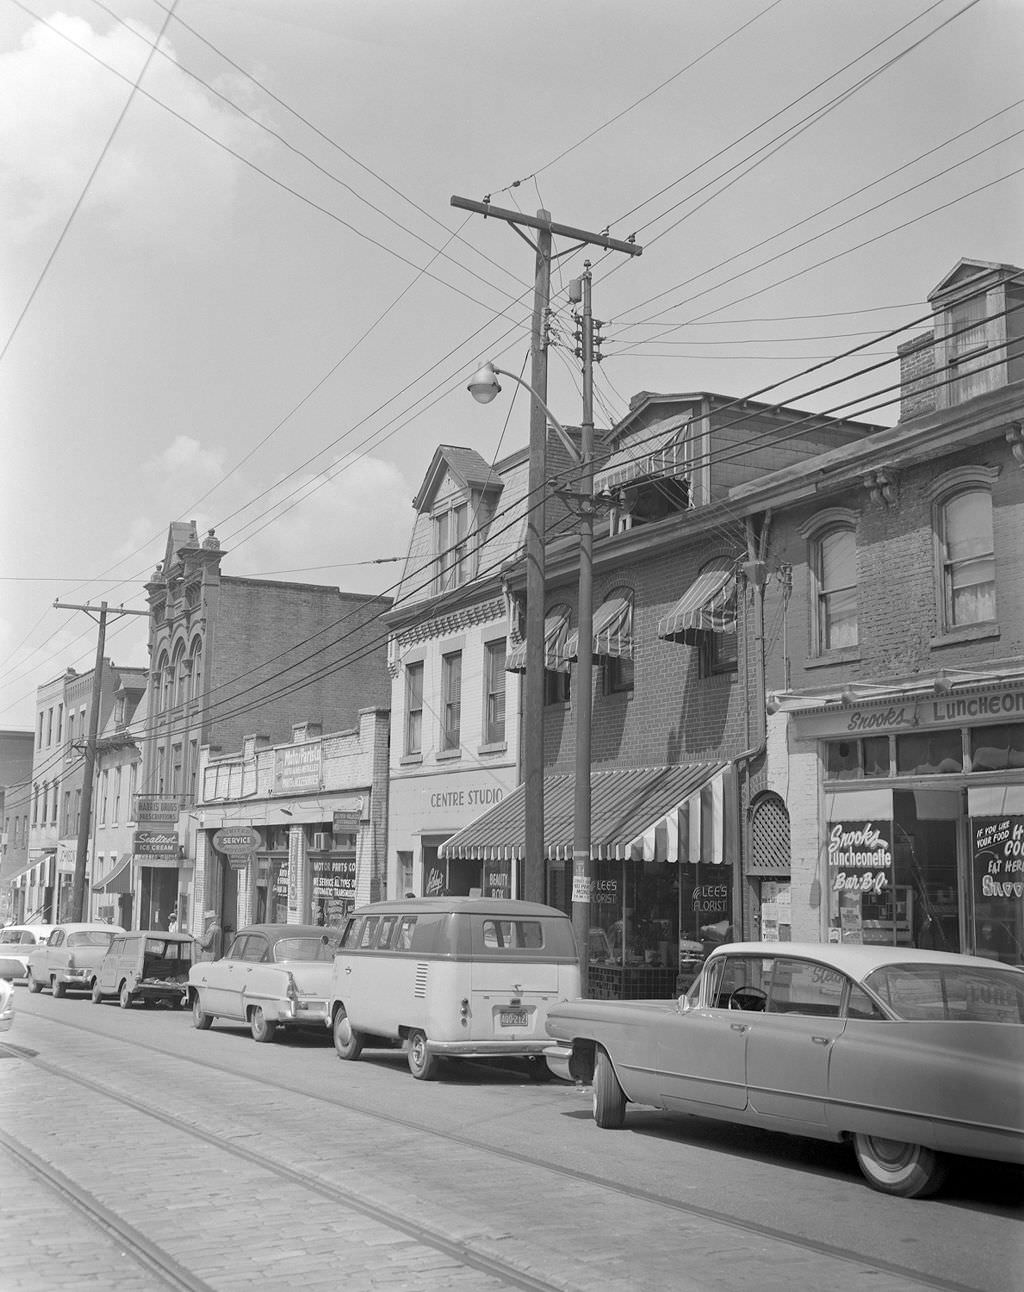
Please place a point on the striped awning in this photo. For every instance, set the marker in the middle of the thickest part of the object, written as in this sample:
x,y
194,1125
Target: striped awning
x,y
709,606
673,814
118,880
613,631
556,631
649,456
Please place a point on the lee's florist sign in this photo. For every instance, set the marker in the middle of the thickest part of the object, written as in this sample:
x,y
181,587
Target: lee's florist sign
x,y
860,856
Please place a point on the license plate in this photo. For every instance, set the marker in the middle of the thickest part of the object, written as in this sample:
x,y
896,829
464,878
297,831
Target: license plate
x,y
513,1018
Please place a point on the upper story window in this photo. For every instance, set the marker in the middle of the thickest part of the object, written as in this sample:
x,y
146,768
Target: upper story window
x,y
60,723
49,727
967,558
414,708
834,577
162,684
494,700
196,661
451,700
451,546
969,355
179,674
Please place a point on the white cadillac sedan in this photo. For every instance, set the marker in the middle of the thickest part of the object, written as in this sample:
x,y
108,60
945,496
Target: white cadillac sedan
x,y
911,1055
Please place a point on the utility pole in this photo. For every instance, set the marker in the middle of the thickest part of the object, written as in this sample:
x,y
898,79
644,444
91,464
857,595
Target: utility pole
x,y
582,871
534,888
85,820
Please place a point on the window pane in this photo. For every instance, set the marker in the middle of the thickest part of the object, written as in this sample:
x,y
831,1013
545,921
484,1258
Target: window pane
x,y
414,708
494,720
842,760
837,590
994,749
876,755
452,716
929,753
968,558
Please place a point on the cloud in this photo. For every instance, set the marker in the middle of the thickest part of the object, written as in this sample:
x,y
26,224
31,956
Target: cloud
x,y
160,183
360,515
186,459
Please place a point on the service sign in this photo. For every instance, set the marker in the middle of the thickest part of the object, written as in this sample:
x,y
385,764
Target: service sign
x,y
236,840
156,843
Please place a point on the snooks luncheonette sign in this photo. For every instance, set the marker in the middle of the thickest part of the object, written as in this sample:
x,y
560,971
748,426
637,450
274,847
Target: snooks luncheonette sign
x,y
860,856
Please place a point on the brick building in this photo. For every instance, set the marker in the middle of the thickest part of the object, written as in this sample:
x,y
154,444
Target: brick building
x,y
677,701
230,655
15,803
894,776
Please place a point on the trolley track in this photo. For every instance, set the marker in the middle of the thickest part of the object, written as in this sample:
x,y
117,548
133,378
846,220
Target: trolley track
x,y
507,1272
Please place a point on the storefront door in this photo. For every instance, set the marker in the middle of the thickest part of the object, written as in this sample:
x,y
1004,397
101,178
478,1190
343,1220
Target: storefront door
x,y
923,910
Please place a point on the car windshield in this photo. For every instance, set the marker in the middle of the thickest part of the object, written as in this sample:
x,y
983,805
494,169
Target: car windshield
x,y
308,948
961,992
91,938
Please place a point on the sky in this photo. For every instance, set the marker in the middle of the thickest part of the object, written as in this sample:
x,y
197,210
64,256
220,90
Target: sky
x,y
233,288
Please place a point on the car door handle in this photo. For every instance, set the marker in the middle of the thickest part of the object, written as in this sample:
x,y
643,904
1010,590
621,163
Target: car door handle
x,y
739,1027
822,1040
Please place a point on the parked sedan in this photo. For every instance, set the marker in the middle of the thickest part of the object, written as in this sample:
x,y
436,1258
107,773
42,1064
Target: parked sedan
x,y
70,957
274,975
910,1054
16,942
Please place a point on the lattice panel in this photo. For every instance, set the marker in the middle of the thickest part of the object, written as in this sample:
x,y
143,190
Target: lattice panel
x,y
769,837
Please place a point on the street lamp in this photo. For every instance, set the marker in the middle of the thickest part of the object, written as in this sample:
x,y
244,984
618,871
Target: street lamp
x,y
485,385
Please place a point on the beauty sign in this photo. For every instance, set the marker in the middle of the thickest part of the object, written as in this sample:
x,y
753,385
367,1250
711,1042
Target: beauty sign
x,y
998,857
860,856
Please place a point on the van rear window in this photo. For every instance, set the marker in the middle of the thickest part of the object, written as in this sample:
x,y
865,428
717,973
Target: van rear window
x,y
520,934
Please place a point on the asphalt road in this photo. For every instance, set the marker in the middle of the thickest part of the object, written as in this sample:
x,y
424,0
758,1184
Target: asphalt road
x,y
238,1161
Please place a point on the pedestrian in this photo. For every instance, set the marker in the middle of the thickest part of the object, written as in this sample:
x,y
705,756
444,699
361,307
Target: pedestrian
x,y
209,941
172,921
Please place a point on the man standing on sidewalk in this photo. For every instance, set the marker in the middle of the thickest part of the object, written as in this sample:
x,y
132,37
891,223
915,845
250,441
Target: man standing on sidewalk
x,y
209,942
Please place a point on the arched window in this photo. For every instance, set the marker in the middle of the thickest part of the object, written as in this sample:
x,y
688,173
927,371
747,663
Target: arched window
x,y
179,674
967,558
197,667
162,687
834,572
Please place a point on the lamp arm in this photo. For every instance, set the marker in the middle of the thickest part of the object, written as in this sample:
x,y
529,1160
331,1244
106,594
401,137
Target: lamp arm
x,y
563,434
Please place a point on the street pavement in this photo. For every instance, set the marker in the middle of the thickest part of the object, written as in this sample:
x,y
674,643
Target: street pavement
x,y
239,1182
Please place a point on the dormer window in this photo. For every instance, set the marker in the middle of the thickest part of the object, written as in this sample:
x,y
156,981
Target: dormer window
x,y
451,547
969,354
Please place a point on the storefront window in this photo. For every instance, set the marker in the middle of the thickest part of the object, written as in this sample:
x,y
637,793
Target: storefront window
x,y
995,749
997,865
652,924
929,753
853,759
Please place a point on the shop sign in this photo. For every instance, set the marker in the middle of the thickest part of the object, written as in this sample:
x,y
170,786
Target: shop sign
x,y
860,856
298,767
156,809
434,885
904,712
334,878
347,821
710,899
153,843
497,879
998,858
236,840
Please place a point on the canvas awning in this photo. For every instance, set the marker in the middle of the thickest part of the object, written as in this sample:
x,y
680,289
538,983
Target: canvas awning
x,y
649,456
613,631
709,605
674,814
556,630
118,880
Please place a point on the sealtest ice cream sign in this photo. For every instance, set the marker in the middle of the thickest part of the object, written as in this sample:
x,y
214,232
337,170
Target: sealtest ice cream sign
x,y
860,856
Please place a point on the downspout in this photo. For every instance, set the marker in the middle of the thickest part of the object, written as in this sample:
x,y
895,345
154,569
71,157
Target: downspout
x,y
754,573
